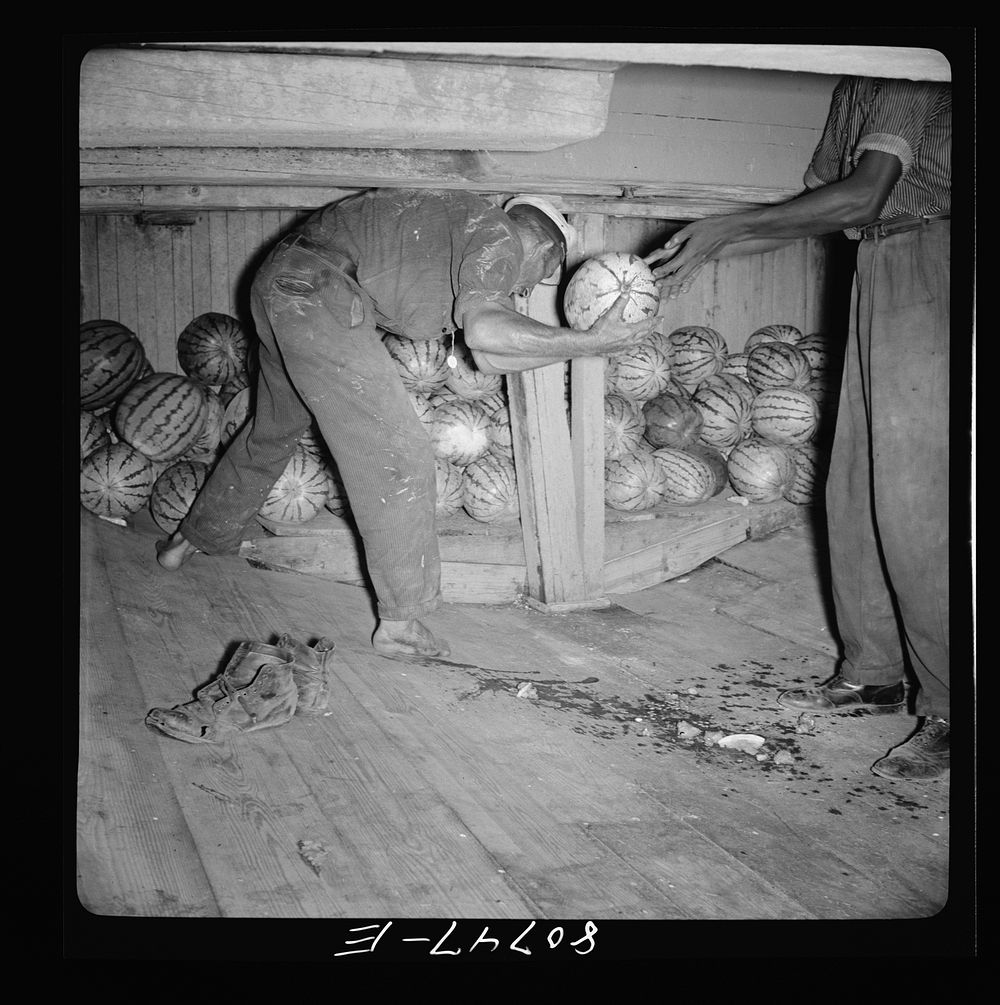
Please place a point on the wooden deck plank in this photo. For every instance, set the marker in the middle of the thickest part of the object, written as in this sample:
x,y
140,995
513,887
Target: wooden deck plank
x,y
136,854
435,789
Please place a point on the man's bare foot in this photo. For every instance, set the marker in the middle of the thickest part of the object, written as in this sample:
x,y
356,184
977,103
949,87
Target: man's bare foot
x,y
407,638
174,552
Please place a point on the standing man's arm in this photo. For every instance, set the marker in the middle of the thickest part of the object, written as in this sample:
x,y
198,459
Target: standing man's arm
x,y
852,202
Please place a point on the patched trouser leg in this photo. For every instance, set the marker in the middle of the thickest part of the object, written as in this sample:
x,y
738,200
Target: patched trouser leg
x,y
888,493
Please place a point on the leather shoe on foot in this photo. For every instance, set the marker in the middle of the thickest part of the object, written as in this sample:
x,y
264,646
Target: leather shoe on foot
x,y
926,754
840,695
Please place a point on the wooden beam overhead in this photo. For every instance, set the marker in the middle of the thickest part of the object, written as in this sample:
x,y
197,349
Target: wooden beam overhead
x,y
166,97
908,62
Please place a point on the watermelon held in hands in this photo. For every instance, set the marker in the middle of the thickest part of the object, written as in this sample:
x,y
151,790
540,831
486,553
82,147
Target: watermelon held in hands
x,y
490,489
175,491
672,420
634,481
112,359
760,471
460,431
116,480
162,415
599,282
212,349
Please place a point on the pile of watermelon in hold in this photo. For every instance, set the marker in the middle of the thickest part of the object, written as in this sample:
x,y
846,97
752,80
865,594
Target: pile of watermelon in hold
x,y
753,421
149,437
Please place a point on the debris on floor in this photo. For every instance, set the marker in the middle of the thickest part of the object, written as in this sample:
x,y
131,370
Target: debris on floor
x,y
313,853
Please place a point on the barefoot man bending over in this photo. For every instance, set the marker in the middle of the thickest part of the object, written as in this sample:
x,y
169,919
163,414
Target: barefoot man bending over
x,y
420,264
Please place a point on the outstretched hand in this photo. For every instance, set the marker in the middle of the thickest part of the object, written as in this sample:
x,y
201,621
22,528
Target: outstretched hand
x,y
686,252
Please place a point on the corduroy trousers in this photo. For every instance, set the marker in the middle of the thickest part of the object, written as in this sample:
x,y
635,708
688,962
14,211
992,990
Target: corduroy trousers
x,y
887,494
321,357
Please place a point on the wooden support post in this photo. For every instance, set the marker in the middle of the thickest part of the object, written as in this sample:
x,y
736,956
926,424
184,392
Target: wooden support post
x,y
587,424
547,488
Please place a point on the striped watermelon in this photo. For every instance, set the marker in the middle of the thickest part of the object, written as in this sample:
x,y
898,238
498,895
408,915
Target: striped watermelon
x,y
422,365
777,364
174,493
672,420
716,461
421,405
162,415
640,373
336,495
820,352
496,400
600,281
312,441
236,415
231,388
785,416
736,365
624,425
450,487
460,431
212,349
812,464
697,353
760,471
93,434
688,479
116,480
301,491
725,410
501,434
111,361
634,481
490,489
206,447
466,379
772,333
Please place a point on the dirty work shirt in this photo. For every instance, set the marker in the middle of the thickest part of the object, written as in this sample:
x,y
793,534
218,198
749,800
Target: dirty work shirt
x,y
422,260
887,493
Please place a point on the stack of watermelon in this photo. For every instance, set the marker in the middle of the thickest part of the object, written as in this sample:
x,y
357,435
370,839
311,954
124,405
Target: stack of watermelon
x,y
150,438
466,415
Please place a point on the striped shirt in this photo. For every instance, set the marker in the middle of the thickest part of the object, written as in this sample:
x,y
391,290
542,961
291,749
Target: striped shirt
x,y
906,118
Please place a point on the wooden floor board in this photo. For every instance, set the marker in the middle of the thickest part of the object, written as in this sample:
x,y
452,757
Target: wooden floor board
x,y
553,766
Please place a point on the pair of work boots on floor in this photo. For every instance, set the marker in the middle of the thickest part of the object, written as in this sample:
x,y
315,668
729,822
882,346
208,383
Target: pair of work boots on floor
x,y
262,686
925,754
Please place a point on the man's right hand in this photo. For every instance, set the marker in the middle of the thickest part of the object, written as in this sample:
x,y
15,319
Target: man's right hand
x,y
611,333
